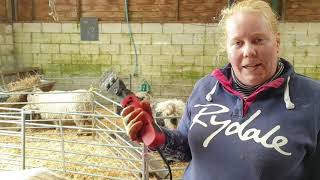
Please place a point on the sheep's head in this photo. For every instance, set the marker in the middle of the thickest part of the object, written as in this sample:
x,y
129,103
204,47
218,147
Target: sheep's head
x,y
32,108
171,111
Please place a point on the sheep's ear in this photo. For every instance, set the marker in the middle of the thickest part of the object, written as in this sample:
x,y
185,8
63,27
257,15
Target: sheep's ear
x,y
170,107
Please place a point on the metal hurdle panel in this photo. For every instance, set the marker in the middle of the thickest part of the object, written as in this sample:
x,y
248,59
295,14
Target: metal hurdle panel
x,y
106,153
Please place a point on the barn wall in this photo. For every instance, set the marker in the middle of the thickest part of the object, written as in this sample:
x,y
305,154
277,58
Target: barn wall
x,y
171,56
6,39
302,10
7,60
113,11
3,11
182,11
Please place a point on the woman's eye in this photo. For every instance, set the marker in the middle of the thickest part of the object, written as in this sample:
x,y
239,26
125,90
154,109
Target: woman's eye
x,y
258,40
237,43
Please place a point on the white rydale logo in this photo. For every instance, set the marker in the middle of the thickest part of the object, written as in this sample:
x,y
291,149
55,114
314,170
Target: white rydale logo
x,y
237,128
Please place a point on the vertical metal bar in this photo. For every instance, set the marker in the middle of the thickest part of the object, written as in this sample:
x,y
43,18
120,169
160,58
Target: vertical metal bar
x,y
62,146
145,174
93,124
23,139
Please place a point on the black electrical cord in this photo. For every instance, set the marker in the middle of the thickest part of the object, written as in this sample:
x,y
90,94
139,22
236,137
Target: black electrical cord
x,y
166,162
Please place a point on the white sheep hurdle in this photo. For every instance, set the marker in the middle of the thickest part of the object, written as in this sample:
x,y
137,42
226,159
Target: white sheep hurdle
x,y
104,155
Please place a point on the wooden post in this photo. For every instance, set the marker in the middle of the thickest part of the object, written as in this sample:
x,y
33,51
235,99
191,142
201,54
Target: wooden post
x,y
177,10
14,5
79,10
283,9
32,10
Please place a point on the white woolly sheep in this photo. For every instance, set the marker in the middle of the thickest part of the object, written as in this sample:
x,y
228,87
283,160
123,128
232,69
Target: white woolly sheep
x,y
31,174
57,102
171,110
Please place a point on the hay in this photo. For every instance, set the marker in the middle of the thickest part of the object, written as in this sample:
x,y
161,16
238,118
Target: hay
x,y
69,157
22,84
55,154
77,153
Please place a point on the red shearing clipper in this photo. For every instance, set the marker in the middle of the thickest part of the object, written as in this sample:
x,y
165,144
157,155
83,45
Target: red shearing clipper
x,y
151,135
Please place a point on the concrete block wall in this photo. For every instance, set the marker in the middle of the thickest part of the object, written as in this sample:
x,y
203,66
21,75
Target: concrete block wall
x,y
7,60
300,43
171,56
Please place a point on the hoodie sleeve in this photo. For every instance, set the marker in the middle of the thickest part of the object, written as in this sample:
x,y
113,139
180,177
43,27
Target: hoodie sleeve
x,y
177,146
313,164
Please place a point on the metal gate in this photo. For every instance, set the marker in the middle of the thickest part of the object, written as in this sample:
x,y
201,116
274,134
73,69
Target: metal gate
x,y
98,150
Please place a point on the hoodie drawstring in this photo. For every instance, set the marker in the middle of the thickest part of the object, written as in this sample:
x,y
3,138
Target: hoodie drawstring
x,y
286,98
209,95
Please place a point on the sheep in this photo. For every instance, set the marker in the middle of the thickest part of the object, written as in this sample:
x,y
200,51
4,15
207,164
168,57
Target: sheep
x,y
166,113
52,104
171,110
31,174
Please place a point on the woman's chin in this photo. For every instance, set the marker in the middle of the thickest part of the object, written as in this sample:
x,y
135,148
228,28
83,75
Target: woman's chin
x,y
252,81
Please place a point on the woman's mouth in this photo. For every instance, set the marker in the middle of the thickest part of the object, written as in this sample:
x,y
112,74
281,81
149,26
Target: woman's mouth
x,y
251,66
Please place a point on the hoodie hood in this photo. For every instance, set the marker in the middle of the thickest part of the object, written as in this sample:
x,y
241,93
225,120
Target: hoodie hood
x,y
224,79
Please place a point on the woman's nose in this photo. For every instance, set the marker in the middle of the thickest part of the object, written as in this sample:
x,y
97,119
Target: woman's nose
x,y
249,50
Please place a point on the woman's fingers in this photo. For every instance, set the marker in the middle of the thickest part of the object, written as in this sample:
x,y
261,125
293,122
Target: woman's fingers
x,y
131,116
126,110
134,131
133,122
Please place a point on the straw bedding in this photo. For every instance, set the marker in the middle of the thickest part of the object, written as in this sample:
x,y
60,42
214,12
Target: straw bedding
x,y
56,160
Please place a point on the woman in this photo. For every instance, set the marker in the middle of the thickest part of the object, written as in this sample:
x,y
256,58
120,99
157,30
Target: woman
x,y
254,119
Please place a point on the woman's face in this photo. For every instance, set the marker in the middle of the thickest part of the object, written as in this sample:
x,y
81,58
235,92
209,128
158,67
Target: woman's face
x,y
252,48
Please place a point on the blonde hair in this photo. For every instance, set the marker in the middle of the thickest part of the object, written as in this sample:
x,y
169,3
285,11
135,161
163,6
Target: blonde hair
x,y
256,6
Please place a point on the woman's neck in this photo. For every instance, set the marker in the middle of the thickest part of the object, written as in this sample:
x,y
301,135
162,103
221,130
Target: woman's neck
x,y
248,90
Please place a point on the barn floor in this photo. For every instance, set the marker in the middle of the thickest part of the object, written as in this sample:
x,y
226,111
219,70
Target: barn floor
x,y
44,149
